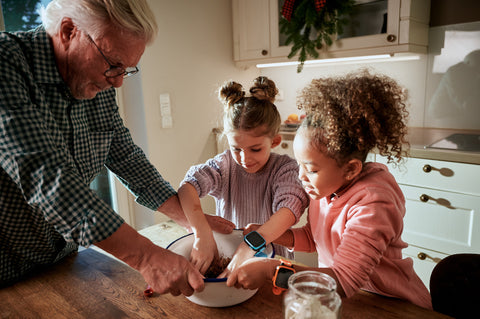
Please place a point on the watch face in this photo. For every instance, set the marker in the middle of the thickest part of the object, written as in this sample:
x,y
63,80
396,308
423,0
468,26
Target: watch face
x,y
282,277
255,240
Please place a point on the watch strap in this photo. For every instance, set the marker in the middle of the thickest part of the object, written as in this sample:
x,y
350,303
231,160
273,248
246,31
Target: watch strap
x,y
284,264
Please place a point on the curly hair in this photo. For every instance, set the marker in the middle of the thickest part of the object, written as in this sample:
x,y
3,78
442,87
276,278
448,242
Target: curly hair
x,y
351,115
250,112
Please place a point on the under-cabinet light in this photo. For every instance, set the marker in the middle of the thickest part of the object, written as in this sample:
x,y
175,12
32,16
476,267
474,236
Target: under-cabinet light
x,y
347,60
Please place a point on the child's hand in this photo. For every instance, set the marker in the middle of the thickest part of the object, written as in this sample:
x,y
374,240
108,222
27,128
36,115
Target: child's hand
x,y
242,254
253,273
204,250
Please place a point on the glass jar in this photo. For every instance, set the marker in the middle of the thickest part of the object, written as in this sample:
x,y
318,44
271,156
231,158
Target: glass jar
x,y
312,294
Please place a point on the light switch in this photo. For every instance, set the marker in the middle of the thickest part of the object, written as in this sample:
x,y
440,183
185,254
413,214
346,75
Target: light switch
x,y
165,108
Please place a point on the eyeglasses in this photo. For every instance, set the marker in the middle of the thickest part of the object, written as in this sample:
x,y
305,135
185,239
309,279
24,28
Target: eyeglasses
x,y
114,70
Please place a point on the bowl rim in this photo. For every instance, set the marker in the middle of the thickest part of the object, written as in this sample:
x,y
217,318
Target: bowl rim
x,y
214,279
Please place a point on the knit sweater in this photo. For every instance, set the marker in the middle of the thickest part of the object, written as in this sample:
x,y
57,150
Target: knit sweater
x,y
358,236
243,197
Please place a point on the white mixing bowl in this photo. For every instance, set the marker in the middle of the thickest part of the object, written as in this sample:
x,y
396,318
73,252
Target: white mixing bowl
x,y
216,292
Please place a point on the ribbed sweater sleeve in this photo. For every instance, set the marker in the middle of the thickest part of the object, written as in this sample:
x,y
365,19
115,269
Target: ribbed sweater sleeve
x,y
245,198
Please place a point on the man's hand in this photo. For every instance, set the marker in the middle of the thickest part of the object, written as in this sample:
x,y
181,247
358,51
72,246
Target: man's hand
x,y
163,270
167,272
172,208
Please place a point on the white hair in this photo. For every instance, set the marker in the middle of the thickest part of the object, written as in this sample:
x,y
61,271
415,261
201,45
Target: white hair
x,y
94,16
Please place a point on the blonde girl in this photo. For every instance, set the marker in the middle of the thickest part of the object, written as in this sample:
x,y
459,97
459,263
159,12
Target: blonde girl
x,y
249,183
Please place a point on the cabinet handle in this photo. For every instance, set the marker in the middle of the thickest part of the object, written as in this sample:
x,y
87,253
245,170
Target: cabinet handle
x,y
391,37
264,52
423,256
427,168
424,198
284,145
444,171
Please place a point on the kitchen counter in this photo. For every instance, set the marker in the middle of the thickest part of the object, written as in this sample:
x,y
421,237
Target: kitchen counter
x,y
419,138
92,285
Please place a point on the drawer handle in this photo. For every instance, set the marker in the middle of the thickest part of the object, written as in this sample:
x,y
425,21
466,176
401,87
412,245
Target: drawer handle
x,y
423,256
284,145
427,168
424,198
440,201
447,172
264,52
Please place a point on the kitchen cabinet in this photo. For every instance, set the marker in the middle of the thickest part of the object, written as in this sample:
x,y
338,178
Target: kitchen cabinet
x,y
377,27
442,210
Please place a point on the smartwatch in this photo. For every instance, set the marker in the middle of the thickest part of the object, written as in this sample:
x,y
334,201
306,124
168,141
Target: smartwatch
x,y
255,241
282,273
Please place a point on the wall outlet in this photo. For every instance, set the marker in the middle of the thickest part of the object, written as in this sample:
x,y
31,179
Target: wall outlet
x,y
280,96
167,121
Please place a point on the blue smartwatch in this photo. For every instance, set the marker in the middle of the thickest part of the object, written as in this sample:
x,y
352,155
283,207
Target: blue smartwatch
x,y
255,241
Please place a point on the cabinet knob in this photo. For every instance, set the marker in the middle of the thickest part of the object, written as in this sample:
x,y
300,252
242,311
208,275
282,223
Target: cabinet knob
x,y
423,256
391,37
424,198
264,52
284,145
427,168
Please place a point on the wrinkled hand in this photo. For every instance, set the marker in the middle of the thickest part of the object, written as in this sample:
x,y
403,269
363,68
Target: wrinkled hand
x,y
219,224
167,272
253,273
204,250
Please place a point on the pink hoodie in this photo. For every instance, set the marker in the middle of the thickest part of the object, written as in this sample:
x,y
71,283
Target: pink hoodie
x,y
358,235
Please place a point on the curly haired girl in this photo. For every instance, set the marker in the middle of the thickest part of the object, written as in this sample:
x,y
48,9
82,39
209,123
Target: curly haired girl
x,y
355,217
249,183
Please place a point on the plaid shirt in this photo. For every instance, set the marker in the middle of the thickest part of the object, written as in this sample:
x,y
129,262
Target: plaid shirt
x,y
51,147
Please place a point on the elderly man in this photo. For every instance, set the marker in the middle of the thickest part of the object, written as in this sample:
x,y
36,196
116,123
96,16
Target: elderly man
x,y
60,125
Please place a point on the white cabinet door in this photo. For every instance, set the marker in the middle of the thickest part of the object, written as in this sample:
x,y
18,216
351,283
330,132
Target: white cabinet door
x,y
251,29
370,13
442,221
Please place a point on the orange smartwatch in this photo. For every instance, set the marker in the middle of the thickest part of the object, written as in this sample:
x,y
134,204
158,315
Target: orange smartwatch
x,y
282,273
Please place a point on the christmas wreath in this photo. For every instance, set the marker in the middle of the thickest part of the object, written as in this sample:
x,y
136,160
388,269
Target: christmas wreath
x,y
309,24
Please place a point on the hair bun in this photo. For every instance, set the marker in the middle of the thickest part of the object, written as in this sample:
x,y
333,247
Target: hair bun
x,y
264,89
230,93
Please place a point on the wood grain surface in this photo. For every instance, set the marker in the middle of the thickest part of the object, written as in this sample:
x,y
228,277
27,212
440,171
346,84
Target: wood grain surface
x,y
93,285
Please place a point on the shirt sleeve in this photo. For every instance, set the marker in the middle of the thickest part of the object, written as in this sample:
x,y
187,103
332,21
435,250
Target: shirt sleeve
x,y
131,166
207,177
288,191
373,224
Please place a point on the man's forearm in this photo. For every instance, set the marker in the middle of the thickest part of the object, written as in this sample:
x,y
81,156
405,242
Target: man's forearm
x,y
171,208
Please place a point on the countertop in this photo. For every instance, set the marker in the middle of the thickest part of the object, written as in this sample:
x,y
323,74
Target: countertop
x,y
92,285
419,138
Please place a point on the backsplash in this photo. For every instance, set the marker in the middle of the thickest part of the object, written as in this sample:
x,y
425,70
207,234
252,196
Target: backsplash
x,y
453,77
443,85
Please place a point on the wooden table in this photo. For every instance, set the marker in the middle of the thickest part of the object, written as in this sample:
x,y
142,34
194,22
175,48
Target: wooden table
x,y
93,285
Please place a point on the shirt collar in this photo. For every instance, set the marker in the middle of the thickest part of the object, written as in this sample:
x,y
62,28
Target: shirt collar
x,y
45,68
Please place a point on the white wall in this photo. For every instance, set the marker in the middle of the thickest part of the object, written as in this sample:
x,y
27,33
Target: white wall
x,y
410,74
190,59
